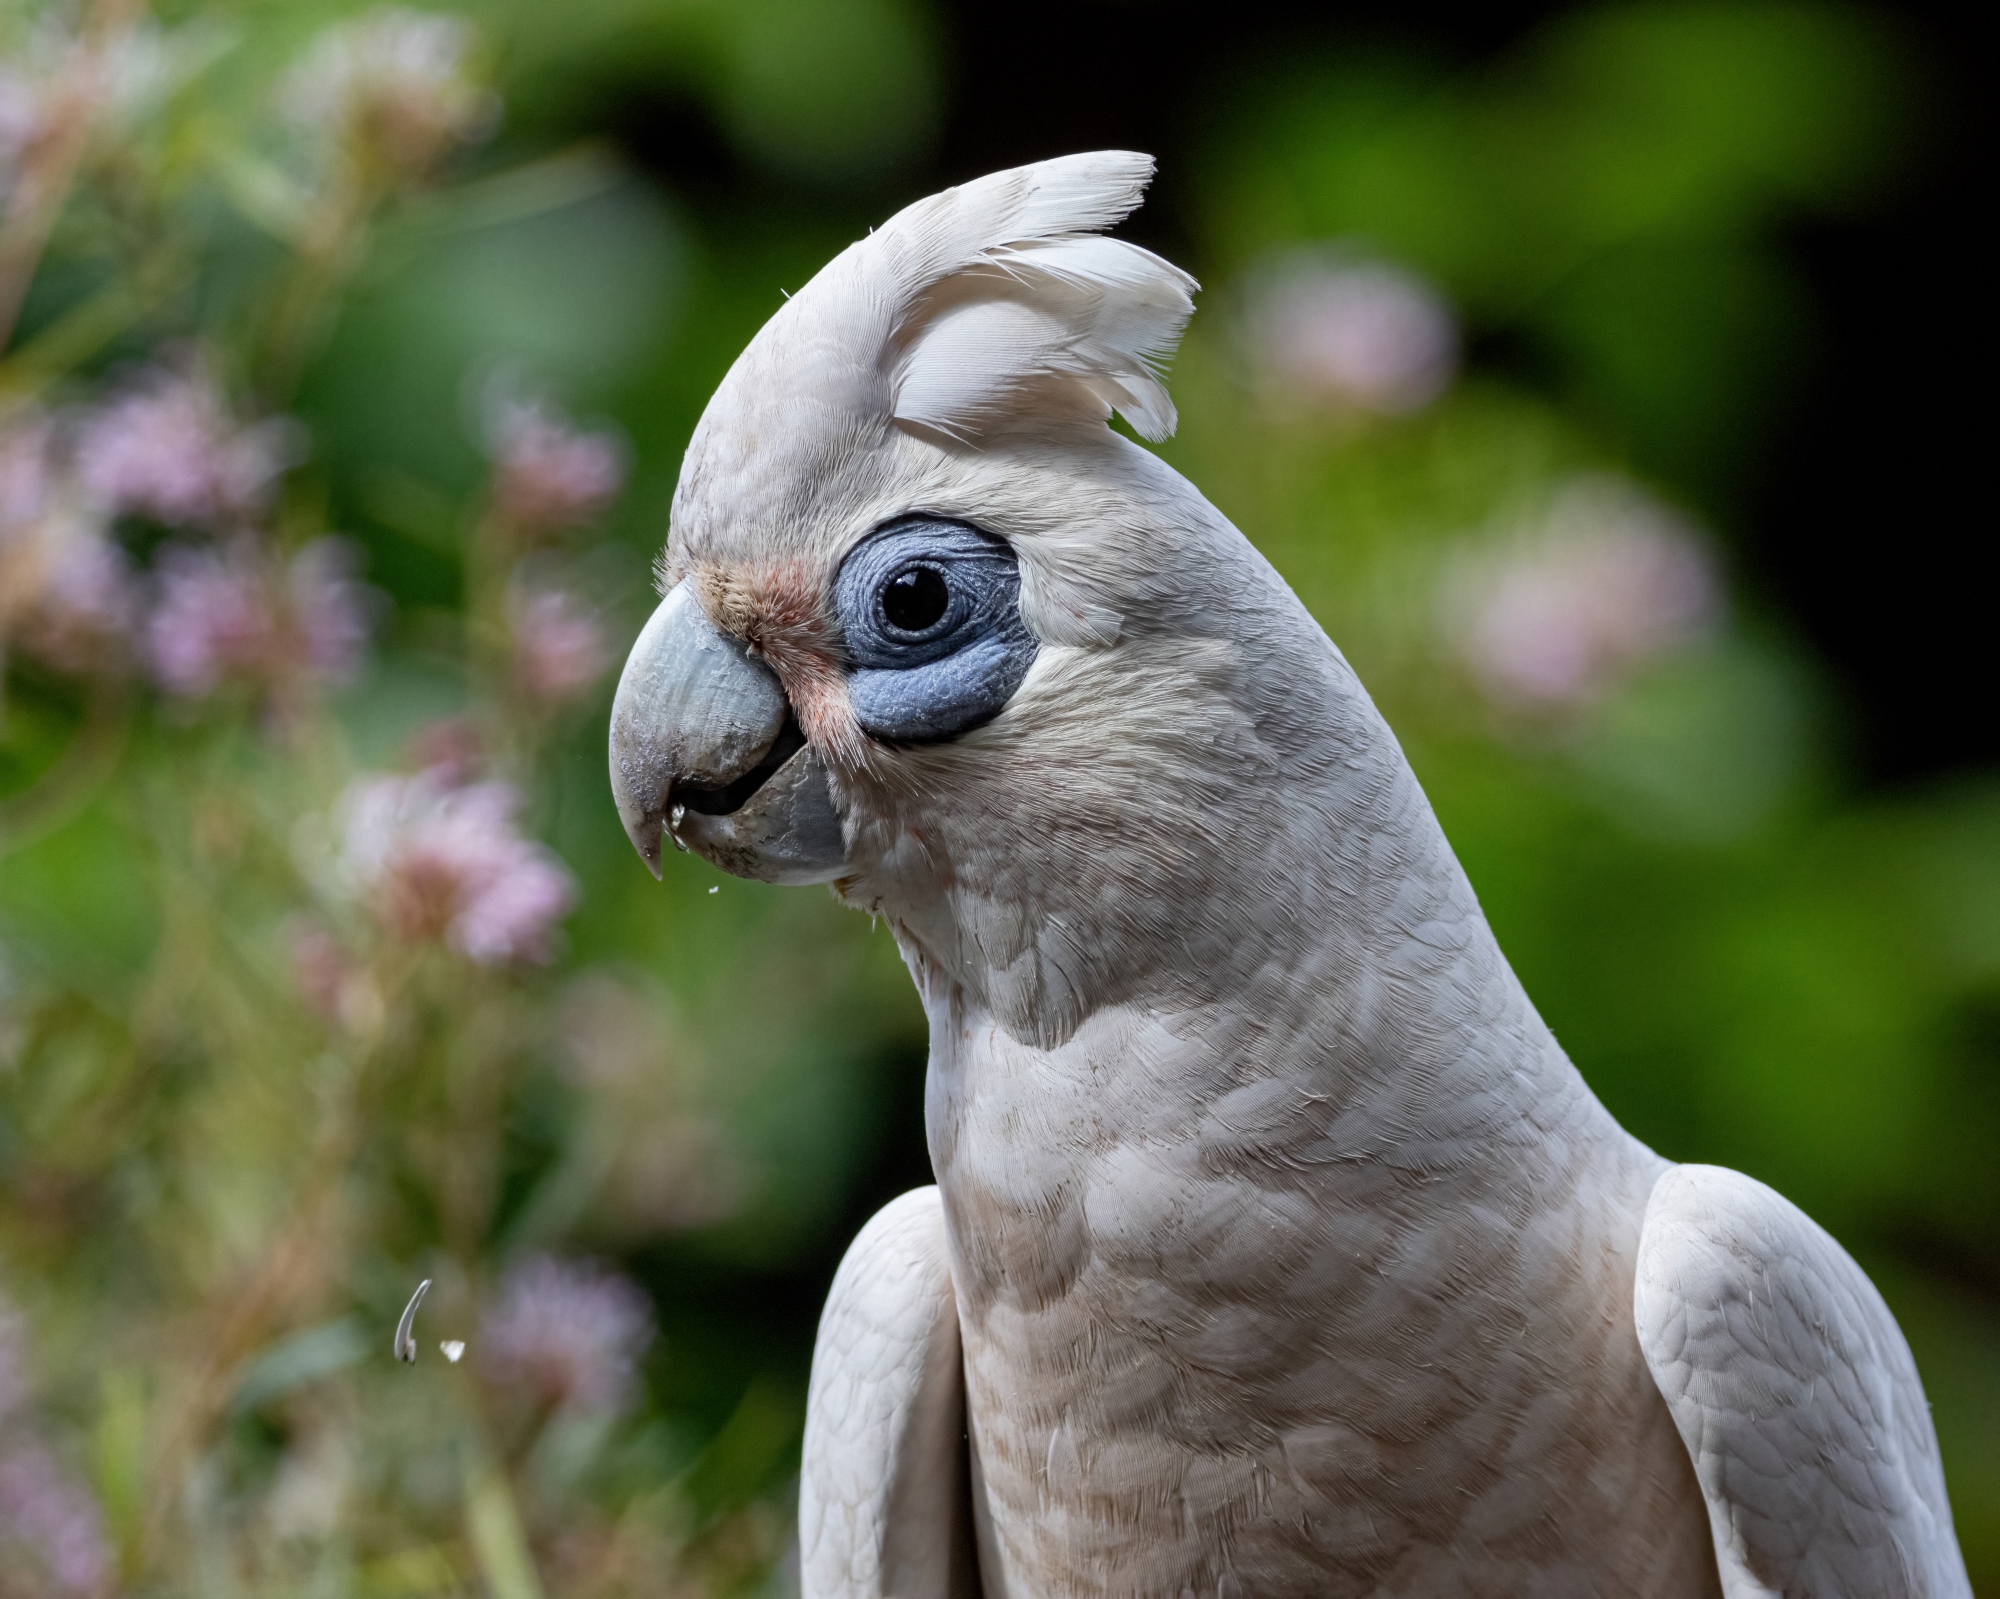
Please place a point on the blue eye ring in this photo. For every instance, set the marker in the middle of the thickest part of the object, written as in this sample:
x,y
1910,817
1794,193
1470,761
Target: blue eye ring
x,y
930,609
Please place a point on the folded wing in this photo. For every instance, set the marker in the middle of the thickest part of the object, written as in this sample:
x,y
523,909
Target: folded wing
x,y
1796,1396
884,1507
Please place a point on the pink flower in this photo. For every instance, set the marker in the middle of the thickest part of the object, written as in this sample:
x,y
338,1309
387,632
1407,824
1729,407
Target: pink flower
x,y
1364,334
569,1332
233,616
89,585
66,594
55,78
321,968
88,606
50,1526
444,863
331,608
167,448
215,620
1610,580
548,475
559,645
396,84
452,750
27,488
338,987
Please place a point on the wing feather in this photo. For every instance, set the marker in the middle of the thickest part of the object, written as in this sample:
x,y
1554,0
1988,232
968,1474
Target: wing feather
x,y
1796,1395
883,1496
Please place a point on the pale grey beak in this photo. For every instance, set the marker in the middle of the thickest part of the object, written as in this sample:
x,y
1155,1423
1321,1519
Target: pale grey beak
x,y
705,750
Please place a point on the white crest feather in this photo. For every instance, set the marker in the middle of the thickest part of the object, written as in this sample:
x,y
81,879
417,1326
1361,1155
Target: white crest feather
x,y
1013,313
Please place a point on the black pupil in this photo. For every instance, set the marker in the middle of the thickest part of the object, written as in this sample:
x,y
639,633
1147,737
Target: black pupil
x,y
916,598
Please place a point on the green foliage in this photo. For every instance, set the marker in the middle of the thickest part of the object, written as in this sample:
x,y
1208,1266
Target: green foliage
x,y
1611,196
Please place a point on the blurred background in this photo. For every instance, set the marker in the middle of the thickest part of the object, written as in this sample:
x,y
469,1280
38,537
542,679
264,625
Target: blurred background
x,y
1601,376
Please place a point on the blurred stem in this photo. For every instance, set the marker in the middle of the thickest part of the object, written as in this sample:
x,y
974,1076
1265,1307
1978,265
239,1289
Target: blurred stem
x,y
489,565
50,169
513,728
85,329
332,248
89,758
309,1247
307,1250
475,1100
493,1526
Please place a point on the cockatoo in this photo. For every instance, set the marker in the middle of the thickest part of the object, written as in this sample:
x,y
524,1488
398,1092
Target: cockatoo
x,y
1277,1250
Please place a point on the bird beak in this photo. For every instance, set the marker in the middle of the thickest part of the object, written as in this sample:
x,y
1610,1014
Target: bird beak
x,y
704,749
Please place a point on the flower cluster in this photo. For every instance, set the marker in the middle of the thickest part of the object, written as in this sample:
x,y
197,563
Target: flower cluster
x,y
66,595
232,614
394,86
559,645
51,1529
1608,580
568,1333
547,474
168,448
235,616
1361,334
170,587
451,750
442,862
59,78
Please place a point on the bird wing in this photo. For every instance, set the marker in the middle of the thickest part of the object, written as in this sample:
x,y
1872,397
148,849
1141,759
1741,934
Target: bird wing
x,y
1796,1396
884,1506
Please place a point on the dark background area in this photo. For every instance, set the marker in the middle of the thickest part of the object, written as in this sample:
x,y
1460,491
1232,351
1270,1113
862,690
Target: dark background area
x,y
1861,514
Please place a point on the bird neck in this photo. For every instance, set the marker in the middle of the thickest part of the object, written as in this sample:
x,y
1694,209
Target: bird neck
x,y
1328,947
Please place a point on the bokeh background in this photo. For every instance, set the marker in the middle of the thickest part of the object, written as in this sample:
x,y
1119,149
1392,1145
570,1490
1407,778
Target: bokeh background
x,y
1603,378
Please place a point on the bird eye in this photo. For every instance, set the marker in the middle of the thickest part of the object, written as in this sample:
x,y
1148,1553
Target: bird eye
x,y
915,599
930,612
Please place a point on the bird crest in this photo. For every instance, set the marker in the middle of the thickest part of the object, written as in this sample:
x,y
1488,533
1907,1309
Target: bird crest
x,y
1010,307
989,313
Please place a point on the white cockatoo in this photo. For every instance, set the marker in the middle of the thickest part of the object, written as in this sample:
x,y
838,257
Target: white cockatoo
x,y
1277,1249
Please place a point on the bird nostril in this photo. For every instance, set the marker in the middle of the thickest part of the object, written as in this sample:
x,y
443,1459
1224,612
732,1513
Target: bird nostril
x,y
734,796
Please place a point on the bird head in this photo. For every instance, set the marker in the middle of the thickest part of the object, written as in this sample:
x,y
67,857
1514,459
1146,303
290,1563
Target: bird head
x,y
937,634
